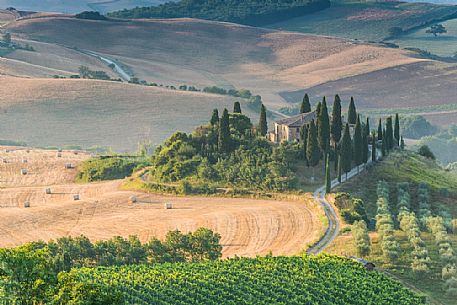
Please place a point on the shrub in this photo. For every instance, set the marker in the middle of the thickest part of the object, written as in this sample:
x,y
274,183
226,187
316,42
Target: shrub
x,y
425,151
108,168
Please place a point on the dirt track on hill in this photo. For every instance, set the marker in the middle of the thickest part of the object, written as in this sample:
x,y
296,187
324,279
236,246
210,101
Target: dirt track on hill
x,y
248,227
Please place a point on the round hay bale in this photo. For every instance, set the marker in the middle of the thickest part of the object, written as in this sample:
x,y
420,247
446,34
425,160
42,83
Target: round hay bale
x,y
76,197
59,150
5,161
24,161
168,206
68,166
133,199
75,152
26,204
59,155
48,191
24,171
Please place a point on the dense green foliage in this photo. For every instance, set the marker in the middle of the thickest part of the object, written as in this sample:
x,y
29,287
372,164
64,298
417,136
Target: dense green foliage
x,y
251,12
351,209
108,168
263,280
361,238
227,155
34,272
90,15
416,127
305,106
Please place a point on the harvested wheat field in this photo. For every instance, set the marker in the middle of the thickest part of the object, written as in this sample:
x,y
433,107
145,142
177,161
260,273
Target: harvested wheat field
x,y
58,112
248,227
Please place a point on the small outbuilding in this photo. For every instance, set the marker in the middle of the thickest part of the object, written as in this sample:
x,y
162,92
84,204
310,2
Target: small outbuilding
x,y
367,264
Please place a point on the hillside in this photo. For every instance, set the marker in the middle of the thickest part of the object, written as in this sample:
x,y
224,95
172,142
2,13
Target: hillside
x,y
263,280
205,53
66,6
369,21
99,113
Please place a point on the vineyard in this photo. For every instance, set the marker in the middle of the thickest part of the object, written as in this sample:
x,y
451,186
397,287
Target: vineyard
x,y
262,280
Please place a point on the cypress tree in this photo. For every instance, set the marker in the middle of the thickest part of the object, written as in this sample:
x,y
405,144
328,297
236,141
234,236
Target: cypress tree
x,y
215,117
336,125
373,147
352,113
397,130
384,144
312,149
389,134
336,159
367,127
328,180
380,130
304,139
237,107
358,144
263,126
318,109
365,145
340,168
305,104
323,131
402,143
346,151
224,133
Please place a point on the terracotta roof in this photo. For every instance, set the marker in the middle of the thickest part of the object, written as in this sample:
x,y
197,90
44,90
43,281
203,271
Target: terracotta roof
x,y
298,120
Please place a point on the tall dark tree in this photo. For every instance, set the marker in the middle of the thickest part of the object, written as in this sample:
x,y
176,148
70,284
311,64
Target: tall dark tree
x,y
384,143
312,149
336,126
352,112
318,108
397,130
389,134
374,156
402,143
367,127
263,126
380,130
323,131
304,140
224,133
358,143
215,117
365,149
237,107
340,168
346,150
305,106
328,179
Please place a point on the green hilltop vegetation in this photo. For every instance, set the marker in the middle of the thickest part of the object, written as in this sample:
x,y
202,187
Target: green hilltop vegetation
x,y
250,12
262,280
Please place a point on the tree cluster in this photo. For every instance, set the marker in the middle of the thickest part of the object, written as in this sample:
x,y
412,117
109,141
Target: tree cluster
x,y
361,238
250,12
385,225
29,273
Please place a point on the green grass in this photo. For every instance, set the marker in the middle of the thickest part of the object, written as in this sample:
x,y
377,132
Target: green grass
x,y
404,166
367,21
443,45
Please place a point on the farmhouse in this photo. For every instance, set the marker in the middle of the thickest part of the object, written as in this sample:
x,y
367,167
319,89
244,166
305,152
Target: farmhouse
x,y
289,129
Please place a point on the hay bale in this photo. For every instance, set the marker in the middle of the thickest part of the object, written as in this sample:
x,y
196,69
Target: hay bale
x,y
68,166
76,152
24,161
168,206
59,155
76,197
133,199
48,191
24,171
59,150
26,204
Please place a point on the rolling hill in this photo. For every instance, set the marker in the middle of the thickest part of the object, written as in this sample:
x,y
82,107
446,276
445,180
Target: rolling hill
x,y
279,66
70,6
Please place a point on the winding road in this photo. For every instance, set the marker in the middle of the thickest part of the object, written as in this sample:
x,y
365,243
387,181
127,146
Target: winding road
x,y
333,227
